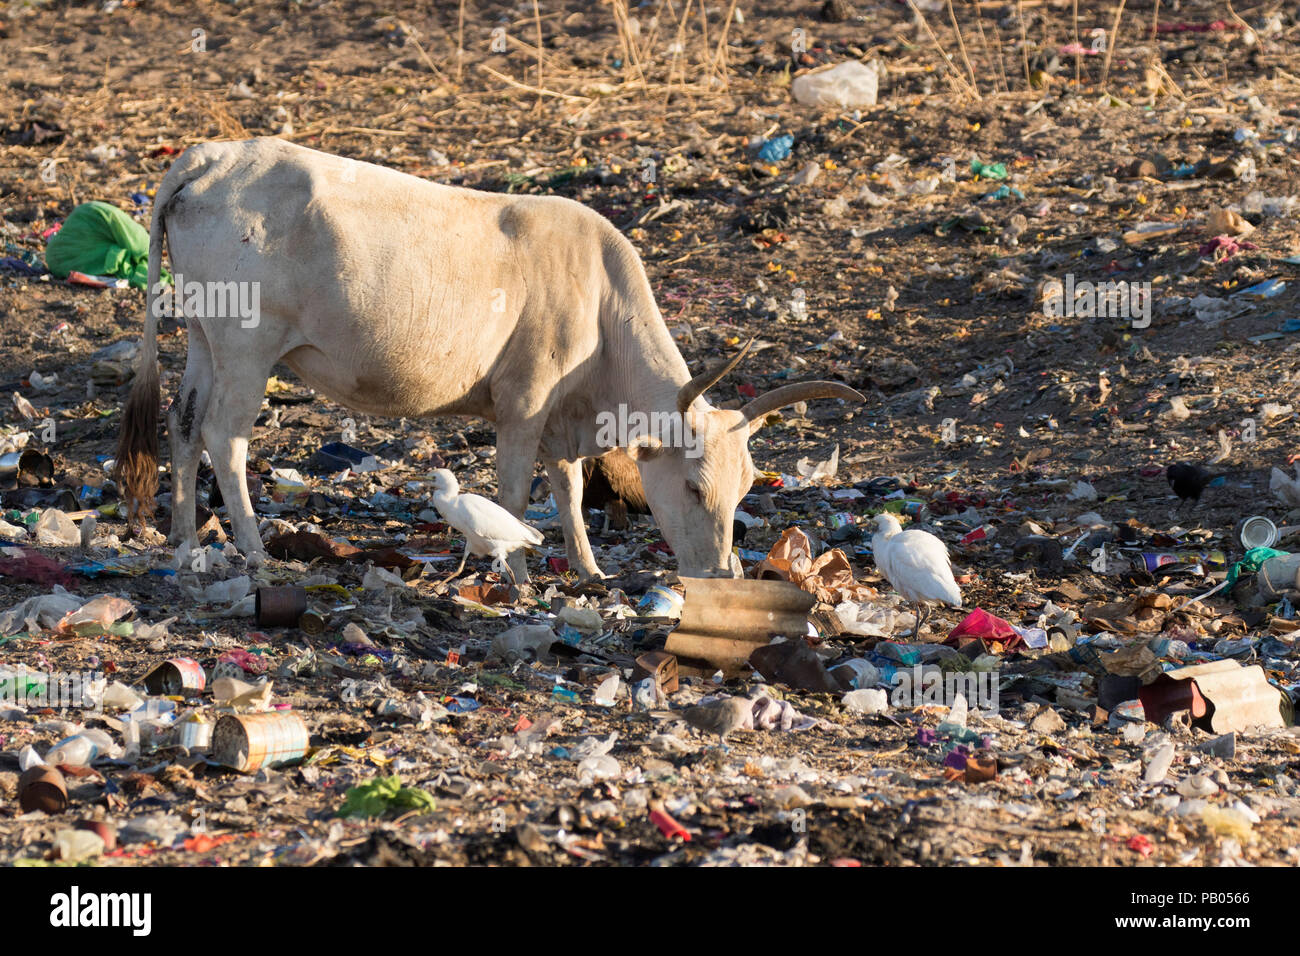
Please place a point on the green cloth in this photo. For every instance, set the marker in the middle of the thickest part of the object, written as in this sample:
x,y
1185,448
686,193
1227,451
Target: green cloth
x,y
1251,562
101,240
383,794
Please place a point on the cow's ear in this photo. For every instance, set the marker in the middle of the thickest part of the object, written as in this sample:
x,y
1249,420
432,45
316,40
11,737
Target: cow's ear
x,y
644,448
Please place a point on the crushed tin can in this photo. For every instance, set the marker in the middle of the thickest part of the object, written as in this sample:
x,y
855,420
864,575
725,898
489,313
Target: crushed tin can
x,y
312,622
914,508
841,519
1211,560
42,788
660,601
248,742
175,677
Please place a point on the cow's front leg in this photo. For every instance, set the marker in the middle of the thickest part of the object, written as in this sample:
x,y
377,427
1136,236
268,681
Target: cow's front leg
x,y
566,483
516,454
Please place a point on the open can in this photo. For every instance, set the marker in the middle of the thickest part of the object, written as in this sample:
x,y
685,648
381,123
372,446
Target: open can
x,y
248,742
280,607
42,788
1256,532
175,677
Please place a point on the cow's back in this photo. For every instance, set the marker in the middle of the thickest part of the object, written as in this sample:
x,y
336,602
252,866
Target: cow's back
x,y
389,293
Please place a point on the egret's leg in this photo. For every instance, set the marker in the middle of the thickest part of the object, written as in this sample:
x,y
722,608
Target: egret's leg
x,y
463,558
916,631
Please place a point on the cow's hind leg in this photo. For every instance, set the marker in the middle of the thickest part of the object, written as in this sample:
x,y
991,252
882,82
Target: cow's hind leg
x,y
566,483
184,424
236,398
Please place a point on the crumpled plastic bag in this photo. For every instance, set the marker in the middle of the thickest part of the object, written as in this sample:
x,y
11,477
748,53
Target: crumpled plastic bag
x,y
383,794
828,576
101,240
847,86
868,619
1285,488
37,613
982,625
101,611
523,640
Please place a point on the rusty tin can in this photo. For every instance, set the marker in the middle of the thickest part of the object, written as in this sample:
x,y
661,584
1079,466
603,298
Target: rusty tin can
x,y
248,742
175,677
280,607
42,788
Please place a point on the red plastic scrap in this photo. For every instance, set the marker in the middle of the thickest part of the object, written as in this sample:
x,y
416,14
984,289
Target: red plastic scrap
x,y
1141,845
669,827
982,625
1215,26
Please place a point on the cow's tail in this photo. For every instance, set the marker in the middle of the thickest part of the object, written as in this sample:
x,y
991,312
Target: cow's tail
x,y
136,470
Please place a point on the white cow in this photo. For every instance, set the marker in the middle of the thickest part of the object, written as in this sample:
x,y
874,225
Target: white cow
x,y
400,297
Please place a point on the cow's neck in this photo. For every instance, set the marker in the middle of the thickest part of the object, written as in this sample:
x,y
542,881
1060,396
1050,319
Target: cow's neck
x,y
647,368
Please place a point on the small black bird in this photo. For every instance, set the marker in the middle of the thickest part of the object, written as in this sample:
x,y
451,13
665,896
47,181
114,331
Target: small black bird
x,y
738,531
1188,481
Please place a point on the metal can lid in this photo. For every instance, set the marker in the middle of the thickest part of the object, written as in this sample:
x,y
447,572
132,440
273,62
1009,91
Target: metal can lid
x,y
1256,532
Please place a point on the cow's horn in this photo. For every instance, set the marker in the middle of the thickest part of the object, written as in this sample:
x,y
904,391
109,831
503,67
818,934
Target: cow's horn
x,y
706,380
769,402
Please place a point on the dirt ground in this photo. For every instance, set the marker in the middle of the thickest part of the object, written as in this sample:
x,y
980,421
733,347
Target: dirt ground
x,y
863,257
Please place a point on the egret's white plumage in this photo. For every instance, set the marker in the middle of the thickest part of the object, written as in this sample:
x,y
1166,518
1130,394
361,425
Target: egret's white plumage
x,y
916,563
489,530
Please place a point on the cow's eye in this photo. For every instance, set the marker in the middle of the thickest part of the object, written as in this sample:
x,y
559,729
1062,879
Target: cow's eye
x,y
694,489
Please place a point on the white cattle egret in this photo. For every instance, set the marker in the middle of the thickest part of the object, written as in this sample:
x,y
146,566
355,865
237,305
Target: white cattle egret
x,y
489,530
916,563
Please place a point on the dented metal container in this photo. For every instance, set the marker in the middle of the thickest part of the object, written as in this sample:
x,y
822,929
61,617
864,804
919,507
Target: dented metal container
x,y
42,788
280,606
176,677
248,742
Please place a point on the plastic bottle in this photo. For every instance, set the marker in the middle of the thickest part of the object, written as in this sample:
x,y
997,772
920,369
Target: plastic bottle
x,y
76,751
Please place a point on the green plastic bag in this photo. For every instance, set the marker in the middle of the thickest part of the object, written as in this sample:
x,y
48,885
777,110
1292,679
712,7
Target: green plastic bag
x,y
383,794
101,240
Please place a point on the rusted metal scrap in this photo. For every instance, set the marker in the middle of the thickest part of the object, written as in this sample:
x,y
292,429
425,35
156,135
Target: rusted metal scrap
x,y
724,620
1222,696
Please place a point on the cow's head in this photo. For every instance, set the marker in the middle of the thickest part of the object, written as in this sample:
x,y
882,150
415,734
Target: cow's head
x,y
695,478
